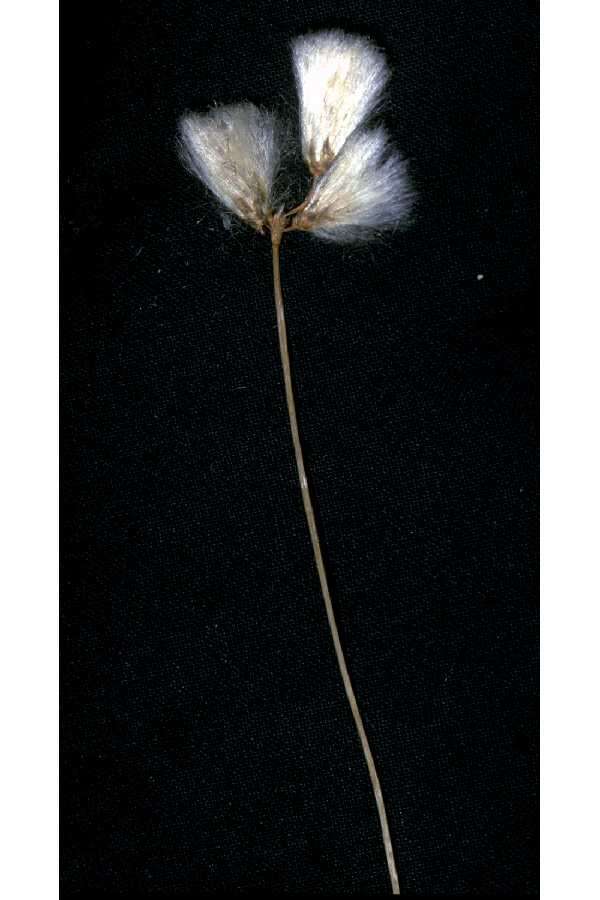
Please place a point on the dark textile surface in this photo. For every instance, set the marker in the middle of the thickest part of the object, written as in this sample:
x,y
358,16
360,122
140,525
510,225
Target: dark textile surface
x,y
207,745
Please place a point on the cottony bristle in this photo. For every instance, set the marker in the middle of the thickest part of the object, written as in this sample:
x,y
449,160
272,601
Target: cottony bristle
x,y
339,78
234,151
365,191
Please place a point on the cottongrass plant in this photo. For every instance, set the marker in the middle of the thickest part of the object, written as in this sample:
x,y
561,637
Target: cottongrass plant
x,y
359,189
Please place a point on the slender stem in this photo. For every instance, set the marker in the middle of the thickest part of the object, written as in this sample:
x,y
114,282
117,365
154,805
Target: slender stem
x,y
276,233
302,206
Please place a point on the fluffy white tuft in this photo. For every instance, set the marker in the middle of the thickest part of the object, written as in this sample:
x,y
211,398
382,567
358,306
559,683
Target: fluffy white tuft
x,y
339,78
234,151
365,191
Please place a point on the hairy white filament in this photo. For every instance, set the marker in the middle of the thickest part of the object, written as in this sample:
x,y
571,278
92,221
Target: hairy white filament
x,y
360,187
365,191
234,151
340,78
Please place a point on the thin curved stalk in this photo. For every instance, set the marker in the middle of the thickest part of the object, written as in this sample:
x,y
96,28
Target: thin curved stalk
x,y
277,228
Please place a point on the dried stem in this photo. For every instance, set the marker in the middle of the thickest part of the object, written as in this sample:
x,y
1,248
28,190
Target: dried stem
x,y
277,229
301,206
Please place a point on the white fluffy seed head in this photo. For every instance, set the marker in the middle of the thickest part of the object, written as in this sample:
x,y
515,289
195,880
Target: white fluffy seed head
x,y
339,78
234,151
365,191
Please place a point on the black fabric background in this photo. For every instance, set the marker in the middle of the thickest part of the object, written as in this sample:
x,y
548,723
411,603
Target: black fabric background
x,y
206,741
